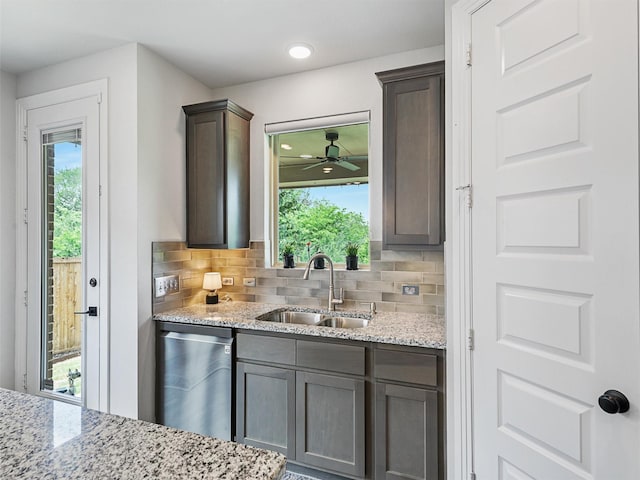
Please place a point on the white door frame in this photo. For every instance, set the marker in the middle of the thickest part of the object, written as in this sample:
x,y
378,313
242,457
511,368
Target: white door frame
x,y
460,454
98,89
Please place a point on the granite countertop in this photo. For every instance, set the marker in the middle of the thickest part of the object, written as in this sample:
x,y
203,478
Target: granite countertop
x,y
43,438
413,329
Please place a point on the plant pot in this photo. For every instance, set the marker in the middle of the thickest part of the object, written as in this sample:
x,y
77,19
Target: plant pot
x,y
318,263
288,261
352,262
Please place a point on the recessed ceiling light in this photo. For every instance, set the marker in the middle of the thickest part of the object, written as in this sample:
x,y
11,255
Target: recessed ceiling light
x,y
327,169
300,50
306,155
285,146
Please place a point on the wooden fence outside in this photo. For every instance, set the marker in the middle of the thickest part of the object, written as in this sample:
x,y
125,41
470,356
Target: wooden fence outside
x,y
67,294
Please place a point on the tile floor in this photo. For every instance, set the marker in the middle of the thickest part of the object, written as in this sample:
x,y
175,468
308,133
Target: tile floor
x,y
295,476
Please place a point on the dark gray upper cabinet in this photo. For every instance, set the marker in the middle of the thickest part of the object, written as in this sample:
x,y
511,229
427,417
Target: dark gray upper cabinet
x,y
413,156
217,175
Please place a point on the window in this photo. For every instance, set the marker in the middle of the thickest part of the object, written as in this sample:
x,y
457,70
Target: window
x,y
62,275
322,192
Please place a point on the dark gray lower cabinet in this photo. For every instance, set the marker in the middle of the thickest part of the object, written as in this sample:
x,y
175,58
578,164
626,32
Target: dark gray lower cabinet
x,y
366,411
265,411
406,433
330,422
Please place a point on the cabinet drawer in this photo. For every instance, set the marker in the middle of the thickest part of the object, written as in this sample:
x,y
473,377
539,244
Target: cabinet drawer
x,y
409,367
332,357
266,349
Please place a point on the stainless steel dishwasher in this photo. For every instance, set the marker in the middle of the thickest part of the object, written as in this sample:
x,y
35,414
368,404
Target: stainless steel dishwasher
x,y
194,388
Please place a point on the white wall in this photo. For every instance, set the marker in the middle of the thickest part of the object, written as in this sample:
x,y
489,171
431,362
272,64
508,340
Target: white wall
x,y
341,89
147,179
119,67
8,93
146,195
162,91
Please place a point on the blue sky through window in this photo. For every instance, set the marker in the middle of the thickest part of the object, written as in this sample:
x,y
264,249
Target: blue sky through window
x,y
67,155
354,198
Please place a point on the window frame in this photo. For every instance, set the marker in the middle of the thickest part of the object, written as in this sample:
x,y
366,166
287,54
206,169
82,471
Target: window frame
x,y
272,188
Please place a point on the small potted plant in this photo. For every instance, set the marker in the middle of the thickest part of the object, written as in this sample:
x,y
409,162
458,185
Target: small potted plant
x,y
318,263
352,256
287,256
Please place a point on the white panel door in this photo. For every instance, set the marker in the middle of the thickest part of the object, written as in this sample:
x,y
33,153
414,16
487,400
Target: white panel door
x,y
555,239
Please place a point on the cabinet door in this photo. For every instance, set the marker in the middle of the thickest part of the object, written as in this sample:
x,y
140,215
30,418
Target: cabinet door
x,y
265,407
413,162
406,433
206,179
330,425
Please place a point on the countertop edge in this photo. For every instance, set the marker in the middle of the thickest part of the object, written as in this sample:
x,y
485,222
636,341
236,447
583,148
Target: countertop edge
x,y
393,328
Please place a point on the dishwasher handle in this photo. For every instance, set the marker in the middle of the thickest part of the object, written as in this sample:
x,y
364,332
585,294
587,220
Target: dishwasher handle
x,y
196,337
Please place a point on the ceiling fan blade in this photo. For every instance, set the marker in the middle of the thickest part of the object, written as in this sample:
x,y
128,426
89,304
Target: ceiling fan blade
x,y
355,157
347,165
300,158
312,166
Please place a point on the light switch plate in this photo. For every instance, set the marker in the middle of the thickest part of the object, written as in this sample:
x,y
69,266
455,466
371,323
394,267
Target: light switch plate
x,y
249,282
165,285
227,280
410,290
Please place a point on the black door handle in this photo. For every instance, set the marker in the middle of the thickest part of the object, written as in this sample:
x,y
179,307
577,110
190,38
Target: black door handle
x,y
91,311
612,401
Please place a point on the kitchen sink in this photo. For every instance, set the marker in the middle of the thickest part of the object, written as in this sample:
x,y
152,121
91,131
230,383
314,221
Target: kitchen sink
x,y
288,316
316,318
343,322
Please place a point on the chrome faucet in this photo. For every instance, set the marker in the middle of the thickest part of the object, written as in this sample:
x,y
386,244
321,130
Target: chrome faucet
x,y
332,300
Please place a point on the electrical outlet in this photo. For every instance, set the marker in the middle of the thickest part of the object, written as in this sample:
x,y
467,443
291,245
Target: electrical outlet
x,y
410,289
227,280
165,285
249,282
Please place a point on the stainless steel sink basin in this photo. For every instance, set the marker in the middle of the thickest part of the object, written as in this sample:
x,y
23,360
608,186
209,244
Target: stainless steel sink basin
x,y
286,316
343,322
319,319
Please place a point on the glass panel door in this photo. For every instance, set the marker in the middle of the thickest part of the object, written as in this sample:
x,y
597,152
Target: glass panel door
x,y
64,324
62,263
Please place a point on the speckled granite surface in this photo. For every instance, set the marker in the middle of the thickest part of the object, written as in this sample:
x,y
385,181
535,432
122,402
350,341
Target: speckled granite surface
x,y
41,438
414,329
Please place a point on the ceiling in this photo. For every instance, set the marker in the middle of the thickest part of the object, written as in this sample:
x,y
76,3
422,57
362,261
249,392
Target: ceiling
x,y
219,42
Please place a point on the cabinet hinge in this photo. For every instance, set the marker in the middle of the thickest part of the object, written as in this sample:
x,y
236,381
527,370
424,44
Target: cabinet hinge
x,y
26,298
468,55
25,216
24,382
470,339
25,134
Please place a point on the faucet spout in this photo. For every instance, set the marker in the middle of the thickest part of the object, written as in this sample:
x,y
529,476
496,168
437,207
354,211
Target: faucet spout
x,y
332,299
305,276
